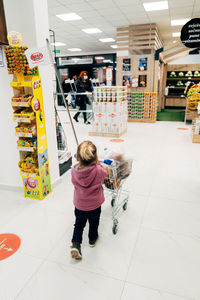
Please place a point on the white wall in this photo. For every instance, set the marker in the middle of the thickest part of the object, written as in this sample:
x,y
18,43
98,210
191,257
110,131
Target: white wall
x,y
30,18
189,59
9,156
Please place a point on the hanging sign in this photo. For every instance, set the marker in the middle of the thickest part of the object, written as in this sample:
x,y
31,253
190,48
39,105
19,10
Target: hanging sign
x,y
37,57
9,244
190,33
1,57
14,38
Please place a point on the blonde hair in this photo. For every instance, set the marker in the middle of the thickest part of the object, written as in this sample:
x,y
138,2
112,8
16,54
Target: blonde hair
x,y
87,153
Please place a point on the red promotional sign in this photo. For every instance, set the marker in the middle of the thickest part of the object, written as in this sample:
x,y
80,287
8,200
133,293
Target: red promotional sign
x,y
37,56
9,244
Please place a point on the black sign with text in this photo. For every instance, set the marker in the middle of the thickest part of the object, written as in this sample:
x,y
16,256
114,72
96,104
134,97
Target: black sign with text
x,y
190,33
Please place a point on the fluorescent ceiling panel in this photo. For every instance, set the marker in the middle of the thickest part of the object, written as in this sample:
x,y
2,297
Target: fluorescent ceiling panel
x,y
58,44
153,6
107,40
91,30
74,49
174,34
179,22
69,17
114,46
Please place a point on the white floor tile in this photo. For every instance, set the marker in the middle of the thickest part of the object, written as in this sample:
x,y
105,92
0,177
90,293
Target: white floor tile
x,y
112,254
135,292
167,262
56,281
15,273
156,249
38,228
173,216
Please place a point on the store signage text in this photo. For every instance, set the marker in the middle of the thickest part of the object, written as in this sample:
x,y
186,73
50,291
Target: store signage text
x,y
190,33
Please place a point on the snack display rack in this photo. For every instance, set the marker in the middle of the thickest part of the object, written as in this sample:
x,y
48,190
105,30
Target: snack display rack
x,y
142,107
110,111
28,113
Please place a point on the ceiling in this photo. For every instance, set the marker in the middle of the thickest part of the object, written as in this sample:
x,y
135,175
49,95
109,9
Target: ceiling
x,y
107,15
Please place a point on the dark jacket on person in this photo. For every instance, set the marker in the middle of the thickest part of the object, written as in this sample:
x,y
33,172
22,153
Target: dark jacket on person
x,y
83,87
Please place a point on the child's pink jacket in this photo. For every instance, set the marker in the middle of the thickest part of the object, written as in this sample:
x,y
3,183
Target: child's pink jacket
x,y
88,190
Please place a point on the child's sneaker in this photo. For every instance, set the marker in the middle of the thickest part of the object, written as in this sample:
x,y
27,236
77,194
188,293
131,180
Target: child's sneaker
x,y
76,251
93,243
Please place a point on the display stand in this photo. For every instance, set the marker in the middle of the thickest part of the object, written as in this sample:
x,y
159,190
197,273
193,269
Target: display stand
x,y
31,133
142,107
196,130
110,111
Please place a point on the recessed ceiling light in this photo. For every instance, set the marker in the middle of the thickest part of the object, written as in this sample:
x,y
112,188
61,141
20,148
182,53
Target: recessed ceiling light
x,y
113,46
174,34
152,6
69,17
91,30
107,40
179,22
99,57
74,49
58,44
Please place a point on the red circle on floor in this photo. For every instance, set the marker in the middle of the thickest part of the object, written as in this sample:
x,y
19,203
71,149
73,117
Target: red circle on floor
x,y
117,140
9,244
182,128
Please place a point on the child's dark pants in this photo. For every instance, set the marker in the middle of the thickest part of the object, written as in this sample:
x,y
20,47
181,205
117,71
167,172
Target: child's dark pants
x,y
93,218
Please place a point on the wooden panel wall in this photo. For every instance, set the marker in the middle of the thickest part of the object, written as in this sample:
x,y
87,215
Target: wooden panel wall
x,y
152,79
139,37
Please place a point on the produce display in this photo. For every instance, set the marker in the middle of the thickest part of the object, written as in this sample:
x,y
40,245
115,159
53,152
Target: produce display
x,y
196,74
180,83
194,89
143,106
180,74
189,74
17,61
172,75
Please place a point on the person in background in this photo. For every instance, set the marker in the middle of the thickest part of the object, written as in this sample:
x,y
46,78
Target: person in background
x,y
87,178
83,85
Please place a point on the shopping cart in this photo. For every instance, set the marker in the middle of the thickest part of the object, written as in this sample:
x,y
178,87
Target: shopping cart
x,y
117,173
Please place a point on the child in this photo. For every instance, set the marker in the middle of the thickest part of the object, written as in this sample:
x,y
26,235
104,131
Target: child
x,y
87,178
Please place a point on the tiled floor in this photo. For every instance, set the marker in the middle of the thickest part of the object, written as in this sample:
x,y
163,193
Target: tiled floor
x,y
156,252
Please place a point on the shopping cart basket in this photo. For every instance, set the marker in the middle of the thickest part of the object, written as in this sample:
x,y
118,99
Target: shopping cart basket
x,y
117,173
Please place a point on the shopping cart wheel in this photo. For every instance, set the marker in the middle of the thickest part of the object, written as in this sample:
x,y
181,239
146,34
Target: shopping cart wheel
x,y
113,202
115,229
125,206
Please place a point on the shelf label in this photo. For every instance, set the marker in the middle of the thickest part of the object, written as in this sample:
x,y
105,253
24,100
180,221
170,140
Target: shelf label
x,y
31,149
24,135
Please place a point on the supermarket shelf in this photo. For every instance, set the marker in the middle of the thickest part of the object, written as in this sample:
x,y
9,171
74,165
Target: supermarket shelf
x,y
23,120
20,104
177,87
21,134
183,78
21,84
26,149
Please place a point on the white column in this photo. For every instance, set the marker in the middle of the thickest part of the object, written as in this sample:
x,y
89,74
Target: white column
x,y
30,18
